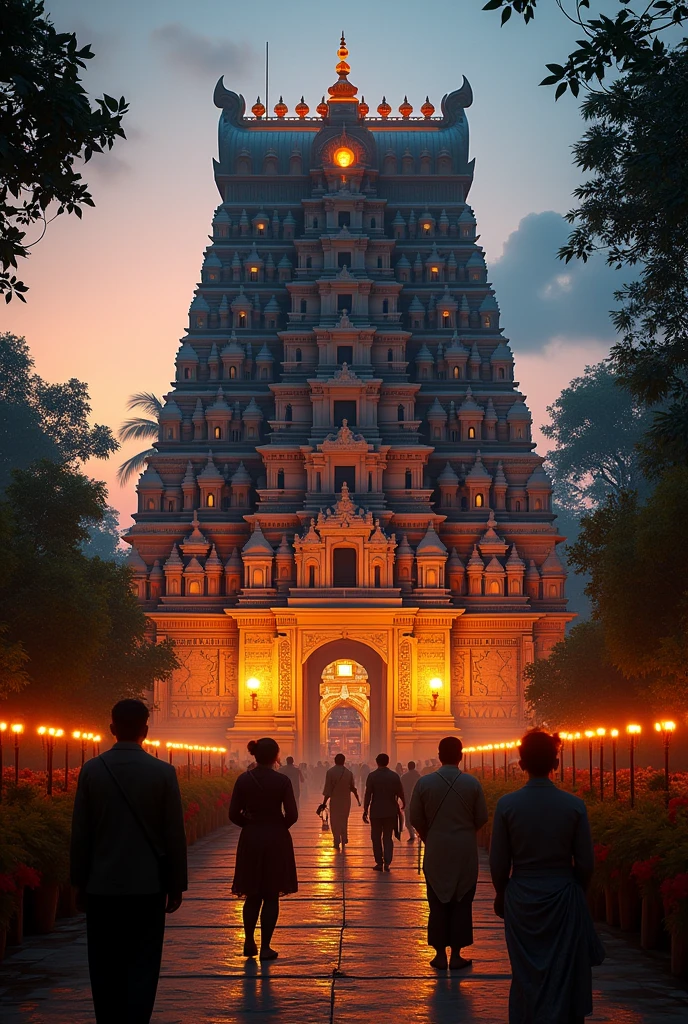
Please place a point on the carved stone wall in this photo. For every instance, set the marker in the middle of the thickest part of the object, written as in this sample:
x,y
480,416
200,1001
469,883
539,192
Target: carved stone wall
x,y
285,671
485,677
258,662
405,675
205,683
431,663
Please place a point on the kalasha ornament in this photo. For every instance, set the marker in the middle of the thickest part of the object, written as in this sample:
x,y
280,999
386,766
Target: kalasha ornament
x,y
428,109
384,110
281,108
363,107
405,109
322,108
302,108
258,109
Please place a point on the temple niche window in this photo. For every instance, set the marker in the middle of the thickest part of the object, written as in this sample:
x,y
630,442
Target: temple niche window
x,y
500,373
538,505
344,259
377,576
232,372
390,355
194,587
210,501
170,434
379,263
400,413
151,505
217,433
479,501
280,479
187,373
457,373
297,355
309,262
344,218
408,480
471,433
488,321
242,319
311,575
170,506
385,305
315,225
288,413
434,273
253,273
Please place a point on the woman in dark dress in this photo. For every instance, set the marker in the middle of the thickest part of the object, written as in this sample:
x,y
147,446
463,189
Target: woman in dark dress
x,y
264,808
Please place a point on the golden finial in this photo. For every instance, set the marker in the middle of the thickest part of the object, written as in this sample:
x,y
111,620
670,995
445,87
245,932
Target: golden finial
x,y
342,52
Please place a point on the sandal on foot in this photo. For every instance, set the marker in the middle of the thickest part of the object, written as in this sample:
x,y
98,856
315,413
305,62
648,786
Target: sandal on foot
x,y
268,954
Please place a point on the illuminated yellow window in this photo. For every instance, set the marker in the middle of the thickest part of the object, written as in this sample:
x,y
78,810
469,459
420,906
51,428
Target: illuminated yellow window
x,y
218,433
479,501
345,670
211,501
344,156
471,432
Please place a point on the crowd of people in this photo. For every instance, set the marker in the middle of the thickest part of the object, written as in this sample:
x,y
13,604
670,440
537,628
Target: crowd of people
x,y
129,861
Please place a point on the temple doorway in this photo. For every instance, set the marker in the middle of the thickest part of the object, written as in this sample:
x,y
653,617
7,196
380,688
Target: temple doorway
x,y
345,710
349,674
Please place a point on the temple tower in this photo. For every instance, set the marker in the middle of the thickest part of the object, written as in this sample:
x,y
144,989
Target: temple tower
x,y
345,473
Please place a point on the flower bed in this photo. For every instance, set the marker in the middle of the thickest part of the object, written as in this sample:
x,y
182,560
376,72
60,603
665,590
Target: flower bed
x,y
641,857
34,848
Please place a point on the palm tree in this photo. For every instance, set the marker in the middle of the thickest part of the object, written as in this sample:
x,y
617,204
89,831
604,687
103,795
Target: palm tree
x,y
139,428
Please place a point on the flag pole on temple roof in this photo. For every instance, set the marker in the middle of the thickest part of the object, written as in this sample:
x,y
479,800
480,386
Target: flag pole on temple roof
x,y
267,65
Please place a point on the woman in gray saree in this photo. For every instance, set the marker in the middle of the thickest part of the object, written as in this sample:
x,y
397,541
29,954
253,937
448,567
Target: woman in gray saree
x,y
541,859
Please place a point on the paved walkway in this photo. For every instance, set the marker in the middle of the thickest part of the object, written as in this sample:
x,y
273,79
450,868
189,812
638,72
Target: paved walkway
x,y
352,948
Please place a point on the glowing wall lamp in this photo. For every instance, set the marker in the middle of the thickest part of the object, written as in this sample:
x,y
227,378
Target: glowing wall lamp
x,y
253,686
633,732
666,729
435,687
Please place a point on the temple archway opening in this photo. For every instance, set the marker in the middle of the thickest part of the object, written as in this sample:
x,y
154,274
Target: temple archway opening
x,y
345,710
325,690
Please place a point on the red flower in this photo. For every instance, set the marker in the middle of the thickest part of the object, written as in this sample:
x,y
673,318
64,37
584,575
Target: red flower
x,y
674,890
26,876
678,803
601,853
7,884
192,811
644,870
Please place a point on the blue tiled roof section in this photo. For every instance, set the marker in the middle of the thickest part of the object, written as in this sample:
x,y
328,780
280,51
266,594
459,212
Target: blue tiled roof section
x,y
257,139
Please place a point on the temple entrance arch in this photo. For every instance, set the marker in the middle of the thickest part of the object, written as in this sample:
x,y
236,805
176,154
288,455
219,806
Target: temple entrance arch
x,y
345,651
345,711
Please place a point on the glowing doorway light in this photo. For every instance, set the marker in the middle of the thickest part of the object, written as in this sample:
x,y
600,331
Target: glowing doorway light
x,y
345,670
344,157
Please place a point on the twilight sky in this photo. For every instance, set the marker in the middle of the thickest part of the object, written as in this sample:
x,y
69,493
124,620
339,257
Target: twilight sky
x,y
109,296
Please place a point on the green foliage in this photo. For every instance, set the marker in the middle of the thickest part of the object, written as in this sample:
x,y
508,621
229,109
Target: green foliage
x,y
578,683
47,124
40,420
638,572
104,538
139,428
635,204
75,619
596,426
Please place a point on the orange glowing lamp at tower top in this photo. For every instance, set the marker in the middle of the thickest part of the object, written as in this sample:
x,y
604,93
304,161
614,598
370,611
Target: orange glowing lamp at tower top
x,y
344,157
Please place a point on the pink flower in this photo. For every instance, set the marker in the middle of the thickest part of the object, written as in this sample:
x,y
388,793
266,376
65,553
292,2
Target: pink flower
x,y
601,853
644,870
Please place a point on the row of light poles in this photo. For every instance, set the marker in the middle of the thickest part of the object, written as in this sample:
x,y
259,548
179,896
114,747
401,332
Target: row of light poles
x,y
593,737
191,749
49,735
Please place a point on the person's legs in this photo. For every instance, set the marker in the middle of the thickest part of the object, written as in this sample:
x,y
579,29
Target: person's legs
x,y
387,844
345,828
438,927
106,944
250,914
376,836
268,920
460,923
144,955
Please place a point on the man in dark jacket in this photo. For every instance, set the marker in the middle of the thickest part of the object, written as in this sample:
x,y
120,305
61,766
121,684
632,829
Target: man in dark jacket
x,y
382,795
128,863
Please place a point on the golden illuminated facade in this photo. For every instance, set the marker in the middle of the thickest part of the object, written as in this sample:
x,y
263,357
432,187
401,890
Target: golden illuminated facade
x,y
345,473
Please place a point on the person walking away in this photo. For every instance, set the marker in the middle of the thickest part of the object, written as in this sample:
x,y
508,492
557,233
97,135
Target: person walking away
x,y
339,785
364,772
447,809
541,860
295,776
128,865
381,807
264,808
408,784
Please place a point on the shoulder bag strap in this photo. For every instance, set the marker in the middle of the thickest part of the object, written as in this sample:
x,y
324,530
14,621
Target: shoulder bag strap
x,y
450,787
132,810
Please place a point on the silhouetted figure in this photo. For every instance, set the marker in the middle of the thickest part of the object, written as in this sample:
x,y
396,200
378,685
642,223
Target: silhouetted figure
x,y
339,785
263,806
382,795
295,776
542,860
447,809
128,863
399,768
363,773
408,784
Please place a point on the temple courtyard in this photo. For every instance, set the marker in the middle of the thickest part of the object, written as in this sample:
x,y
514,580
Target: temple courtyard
x,y
352,948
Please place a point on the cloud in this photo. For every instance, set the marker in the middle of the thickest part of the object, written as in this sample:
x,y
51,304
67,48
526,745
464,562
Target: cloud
x,y
198,55
542,299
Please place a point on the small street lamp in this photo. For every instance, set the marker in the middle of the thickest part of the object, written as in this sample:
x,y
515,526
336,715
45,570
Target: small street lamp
x,y
17,729
435,687
3,729
601,733
633,731
49,734
614,733
666,729
590,735
253,686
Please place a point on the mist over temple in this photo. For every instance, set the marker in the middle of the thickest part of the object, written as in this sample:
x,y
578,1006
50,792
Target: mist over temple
x,y
345,528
